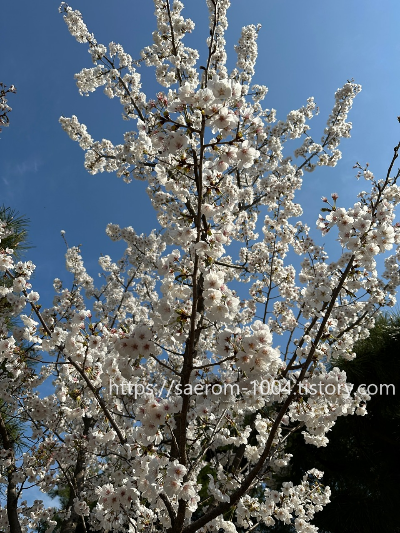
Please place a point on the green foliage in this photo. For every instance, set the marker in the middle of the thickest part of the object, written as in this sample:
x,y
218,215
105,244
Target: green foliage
x,y
14,427
18,239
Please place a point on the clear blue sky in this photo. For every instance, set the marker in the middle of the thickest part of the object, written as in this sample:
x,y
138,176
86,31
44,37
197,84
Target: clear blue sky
x,y
306,48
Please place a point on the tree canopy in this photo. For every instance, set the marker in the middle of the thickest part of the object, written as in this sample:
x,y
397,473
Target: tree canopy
x,y
164,397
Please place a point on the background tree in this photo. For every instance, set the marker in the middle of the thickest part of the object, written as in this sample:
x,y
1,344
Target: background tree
x,y
362,463
13,240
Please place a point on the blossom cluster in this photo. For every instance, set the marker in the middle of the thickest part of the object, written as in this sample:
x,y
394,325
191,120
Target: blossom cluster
x,y
4,107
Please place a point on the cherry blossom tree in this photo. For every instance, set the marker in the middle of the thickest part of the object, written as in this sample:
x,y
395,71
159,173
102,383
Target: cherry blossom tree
x,y
178,381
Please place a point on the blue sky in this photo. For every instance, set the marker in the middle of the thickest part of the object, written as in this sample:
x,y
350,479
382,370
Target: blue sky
x,y
307,48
